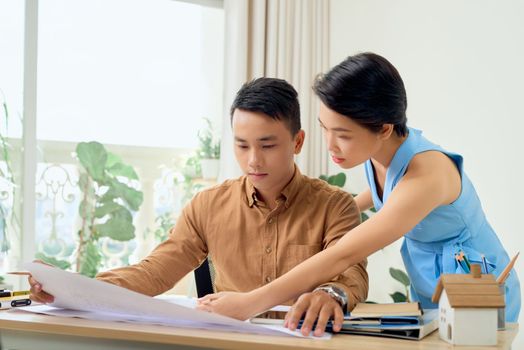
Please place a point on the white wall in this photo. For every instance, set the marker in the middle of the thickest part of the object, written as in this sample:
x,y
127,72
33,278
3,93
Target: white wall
x,y
463,66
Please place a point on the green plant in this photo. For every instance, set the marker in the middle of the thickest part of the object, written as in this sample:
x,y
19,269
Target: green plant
x,y
164,222
106,206
8,218
107,202
209,146
338,180
187,170
403,278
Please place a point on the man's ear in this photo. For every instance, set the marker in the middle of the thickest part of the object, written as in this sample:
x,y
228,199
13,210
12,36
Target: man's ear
x,y
299,140
386,131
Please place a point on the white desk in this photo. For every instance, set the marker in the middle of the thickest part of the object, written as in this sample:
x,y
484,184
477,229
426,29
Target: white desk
x,y
26,331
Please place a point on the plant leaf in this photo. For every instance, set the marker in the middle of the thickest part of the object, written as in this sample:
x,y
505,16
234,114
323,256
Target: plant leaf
x,y
90,260
112,159
93,156
121,169
119,226
338,180
63,264
398,297
400,276
108,208
117,189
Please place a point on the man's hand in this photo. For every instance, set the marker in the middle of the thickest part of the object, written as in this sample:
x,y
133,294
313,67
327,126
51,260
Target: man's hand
x,y
232,304
317,304
37,294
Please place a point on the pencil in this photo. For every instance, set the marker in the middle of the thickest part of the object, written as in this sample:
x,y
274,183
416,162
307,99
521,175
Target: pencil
x,y
20,273
461,262
463,255
484,263
9,294
504,275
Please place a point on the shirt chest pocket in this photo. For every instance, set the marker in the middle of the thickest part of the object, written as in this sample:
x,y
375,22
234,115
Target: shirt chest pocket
x,y
297,253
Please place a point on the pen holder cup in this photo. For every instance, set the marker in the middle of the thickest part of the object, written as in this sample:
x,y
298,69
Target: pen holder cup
x,y
501,314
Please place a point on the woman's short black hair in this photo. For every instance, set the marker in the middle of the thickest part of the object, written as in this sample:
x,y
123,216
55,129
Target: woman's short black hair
x,y
368,89
273,97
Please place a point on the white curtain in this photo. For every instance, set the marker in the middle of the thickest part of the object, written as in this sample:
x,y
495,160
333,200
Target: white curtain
x,y
287,39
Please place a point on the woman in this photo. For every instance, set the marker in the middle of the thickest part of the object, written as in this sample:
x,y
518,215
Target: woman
x,y
420,192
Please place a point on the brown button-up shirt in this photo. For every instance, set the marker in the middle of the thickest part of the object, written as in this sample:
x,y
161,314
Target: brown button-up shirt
x,y
249,244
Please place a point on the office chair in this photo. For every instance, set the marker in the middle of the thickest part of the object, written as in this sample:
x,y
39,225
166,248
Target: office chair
x,y
203,280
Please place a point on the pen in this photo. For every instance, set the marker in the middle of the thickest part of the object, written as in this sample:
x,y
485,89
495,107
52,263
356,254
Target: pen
x,y
484,263
504,275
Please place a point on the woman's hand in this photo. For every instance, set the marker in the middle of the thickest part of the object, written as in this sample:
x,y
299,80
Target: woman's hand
x,y
236,305
37,294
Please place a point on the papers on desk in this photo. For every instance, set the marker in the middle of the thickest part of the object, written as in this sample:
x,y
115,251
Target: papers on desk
x,y
78,296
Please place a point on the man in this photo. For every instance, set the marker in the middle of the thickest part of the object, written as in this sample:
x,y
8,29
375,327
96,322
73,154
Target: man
x,y
259,226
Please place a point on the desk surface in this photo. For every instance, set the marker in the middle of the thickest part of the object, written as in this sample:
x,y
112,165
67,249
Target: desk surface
x,y
28,324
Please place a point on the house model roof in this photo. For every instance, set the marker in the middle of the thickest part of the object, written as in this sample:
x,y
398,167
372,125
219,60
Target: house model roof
x,y
469,291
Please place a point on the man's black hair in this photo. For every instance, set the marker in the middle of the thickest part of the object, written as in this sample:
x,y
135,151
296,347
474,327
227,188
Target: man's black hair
x,y
273,97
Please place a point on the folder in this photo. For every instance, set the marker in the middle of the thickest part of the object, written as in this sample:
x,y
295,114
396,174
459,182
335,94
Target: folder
x,y
426,324
398,320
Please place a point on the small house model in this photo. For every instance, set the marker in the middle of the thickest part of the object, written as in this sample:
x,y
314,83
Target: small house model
x,y
468,306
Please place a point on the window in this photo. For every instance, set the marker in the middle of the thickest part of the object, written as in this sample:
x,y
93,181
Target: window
x,y
11,99
138,77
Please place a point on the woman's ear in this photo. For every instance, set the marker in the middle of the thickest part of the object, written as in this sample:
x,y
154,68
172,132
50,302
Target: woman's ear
x,y
386,131
299,141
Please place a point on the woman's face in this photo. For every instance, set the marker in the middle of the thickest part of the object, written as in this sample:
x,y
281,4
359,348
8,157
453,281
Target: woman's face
x,y
348,143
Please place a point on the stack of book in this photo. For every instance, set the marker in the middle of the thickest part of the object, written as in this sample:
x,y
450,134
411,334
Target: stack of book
x,y
398,320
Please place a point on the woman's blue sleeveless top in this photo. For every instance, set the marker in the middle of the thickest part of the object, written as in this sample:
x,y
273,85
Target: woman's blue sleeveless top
x,y
429,248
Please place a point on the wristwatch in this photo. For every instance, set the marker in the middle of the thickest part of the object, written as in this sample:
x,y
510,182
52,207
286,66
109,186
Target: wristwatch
x,y
336,293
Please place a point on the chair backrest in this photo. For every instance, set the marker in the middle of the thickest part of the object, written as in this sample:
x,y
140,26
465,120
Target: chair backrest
x,y
204,283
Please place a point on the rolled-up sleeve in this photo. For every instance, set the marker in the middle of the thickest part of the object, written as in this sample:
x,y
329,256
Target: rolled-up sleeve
x,y
182,252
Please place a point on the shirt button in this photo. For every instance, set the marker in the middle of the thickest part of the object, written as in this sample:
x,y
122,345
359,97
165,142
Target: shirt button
x,y
268,250
270,221
268,279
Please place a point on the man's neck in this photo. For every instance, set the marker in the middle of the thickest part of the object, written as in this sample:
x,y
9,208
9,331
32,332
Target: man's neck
x,y
270,196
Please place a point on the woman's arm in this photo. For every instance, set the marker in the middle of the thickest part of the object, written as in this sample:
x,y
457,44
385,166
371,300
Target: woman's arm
x,y
431,180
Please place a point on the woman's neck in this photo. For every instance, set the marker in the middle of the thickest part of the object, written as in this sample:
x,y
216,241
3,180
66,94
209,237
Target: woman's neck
x,y
382,159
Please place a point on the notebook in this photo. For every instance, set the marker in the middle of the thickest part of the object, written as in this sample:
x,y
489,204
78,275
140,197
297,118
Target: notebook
x,y
364,310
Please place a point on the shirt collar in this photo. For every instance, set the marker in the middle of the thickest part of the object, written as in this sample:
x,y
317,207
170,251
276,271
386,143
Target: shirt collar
x,y
288,193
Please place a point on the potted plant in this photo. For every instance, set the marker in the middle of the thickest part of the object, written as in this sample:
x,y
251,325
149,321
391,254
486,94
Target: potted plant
x,y
9,198
209,151
106,209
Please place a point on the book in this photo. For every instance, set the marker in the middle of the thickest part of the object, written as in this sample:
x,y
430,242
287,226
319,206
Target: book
x,y
364,310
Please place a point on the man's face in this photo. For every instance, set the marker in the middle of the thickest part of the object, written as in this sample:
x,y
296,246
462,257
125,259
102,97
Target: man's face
x,y
264,149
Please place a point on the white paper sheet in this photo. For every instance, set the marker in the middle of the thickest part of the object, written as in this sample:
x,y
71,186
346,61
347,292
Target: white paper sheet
x,y
100,300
